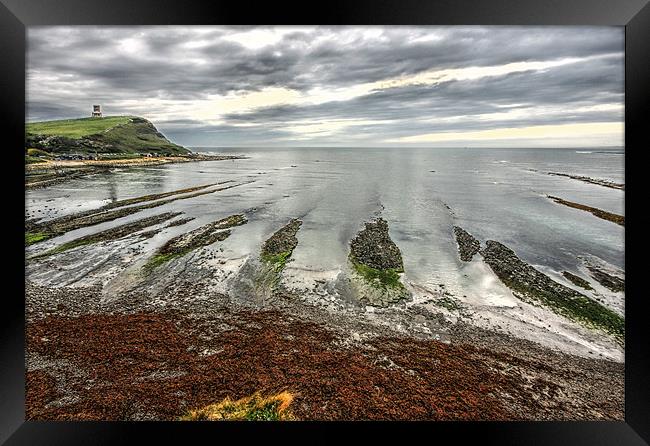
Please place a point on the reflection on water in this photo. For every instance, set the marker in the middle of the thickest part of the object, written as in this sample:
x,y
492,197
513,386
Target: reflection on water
x,y
492,193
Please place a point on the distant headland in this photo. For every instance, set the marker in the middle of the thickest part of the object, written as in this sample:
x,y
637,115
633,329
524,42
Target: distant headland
x,y
63,149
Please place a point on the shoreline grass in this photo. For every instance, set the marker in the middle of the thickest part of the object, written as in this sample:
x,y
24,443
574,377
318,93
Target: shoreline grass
x,y
251,408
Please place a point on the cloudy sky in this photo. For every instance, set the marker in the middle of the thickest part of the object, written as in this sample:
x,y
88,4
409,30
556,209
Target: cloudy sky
x,y
339,86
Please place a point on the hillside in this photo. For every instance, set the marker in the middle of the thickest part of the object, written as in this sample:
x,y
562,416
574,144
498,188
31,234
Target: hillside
x,y
111,134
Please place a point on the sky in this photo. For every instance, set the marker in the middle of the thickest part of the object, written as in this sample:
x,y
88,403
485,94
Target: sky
x,y
397,86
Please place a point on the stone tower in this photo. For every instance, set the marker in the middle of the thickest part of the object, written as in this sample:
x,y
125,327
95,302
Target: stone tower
x,y
97,111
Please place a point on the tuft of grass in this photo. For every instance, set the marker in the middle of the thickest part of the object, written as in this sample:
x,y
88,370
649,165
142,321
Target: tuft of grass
x,y
388,278
35,237
251,408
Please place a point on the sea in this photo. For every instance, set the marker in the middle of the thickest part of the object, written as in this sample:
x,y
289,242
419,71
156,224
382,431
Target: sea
x,y
495,194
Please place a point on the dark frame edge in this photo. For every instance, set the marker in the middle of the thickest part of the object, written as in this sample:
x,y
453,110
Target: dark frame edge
x,y
637,110
12,324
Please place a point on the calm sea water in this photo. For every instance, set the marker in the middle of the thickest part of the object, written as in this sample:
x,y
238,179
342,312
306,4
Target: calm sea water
x,y
492,193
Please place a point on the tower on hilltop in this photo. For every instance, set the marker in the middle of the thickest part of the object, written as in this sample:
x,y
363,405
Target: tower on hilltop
x,y
97,111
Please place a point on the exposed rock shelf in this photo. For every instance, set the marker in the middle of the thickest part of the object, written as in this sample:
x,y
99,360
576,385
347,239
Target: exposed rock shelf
x,y
115,233
536,287
205,235
467,244
609,281
278,248
577,280
377,263
275,254
614,218
599,182
39,231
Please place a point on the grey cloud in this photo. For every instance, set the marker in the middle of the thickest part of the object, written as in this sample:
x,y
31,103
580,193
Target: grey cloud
x,y
573,86
70,67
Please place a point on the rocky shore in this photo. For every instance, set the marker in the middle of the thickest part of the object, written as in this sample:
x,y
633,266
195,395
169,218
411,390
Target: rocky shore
x,y
532,285
141,363
38,231
114,233
189,332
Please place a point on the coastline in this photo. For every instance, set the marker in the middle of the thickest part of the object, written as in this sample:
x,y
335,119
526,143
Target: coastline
x,y
186,327
49,172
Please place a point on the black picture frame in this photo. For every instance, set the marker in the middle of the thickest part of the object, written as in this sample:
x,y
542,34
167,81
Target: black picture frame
x,y
16,15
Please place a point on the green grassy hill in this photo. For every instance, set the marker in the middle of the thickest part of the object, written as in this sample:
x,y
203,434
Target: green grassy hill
x,y
111,134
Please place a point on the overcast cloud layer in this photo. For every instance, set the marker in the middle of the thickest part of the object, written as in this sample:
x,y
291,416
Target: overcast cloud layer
x,y
339,86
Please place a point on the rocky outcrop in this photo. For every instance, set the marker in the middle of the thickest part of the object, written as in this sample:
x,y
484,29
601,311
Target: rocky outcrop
x,y
374,248
259,279
275,254
36,231
609,281
577,280
115,233
467,244
597,181
377,264
614,218
283,242
205,235
535,287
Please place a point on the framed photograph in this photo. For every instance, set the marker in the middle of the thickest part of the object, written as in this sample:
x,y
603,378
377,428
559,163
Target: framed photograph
x,y
408,219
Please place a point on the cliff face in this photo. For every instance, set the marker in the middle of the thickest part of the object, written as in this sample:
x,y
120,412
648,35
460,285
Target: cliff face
x,y
127,134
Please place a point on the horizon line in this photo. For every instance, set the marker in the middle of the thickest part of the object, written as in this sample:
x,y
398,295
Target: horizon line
x,y
400,147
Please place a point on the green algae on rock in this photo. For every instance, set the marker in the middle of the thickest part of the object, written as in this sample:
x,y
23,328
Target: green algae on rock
x,y
577,280
38,231
113,233
535,287
278,248
377,263
205,235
